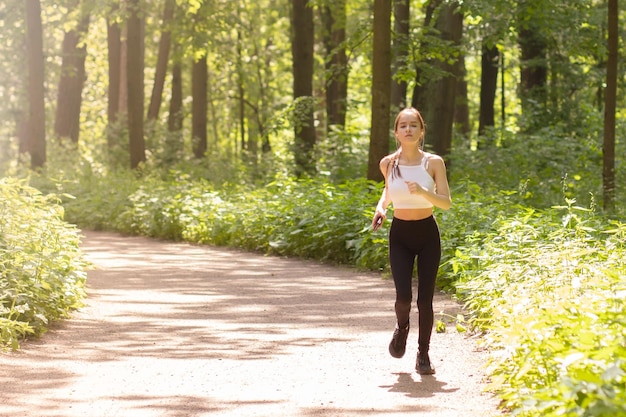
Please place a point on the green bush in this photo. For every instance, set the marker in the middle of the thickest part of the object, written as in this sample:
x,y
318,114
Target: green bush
x,y
42,274
306,218
548,288
541,168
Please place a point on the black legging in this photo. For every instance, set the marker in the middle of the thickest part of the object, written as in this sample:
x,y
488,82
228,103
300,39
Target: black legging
x,y
409,239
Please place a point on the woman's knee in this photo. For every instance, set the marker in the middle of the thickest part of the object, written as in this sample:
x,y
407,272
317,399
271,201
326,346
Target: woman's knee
x,y
425,303
403,302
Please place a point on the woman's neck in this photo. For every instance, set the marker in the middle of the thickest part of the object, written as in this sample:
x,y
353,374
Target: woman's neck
x,y
411,156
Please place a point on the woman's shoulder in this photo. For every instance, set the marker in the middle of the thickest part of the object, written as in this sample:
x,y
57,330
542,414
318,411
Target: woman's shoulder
x,y
435,164
433,157
387,159
386,163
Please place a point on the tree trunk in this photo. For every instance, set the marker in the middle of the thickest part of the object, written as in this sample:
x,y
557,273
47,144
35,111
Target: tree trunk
x,y
199,86
334,16
135,86
123,93
174,142
114,44
420,99
381,89
436,98
69,99
450,24
400,53
264,73
162,60
488,85
534,72
175,116
259,108
610,105
302,52
461,109
241,93
36,142
533,62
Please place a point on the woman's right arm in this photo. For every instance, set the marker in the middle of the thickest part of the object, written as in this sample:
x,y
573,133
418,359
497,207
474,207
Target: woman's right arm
x,y
381,208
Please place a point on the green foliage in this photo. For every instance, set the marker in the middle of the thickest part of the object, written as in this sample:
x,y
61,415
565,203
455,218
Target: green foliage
x,y
307,218
539,169
548,287
545,282
87,200
343,155
473,212
42,274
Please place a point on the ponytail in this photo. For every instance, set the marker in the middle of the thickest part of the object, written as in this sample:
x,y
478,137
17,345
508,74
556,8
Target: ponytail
x,y
395,162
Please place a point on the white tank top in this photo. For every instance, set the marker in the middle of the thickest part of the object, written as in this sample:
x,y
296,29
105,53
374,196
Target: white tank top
x,y
398,190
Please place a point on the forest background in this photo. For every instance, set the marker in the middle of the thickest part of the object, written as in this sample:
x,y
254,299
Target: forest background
x,y
261,124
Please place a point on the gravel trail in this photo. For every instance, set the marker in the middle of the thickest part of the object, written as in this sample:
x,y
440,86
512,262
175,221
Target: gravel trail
x,y
177,330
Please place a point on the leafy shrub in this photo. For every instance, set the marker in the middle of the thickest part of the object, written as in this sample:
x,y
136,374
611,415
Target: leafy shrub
x,y
541,168
474,213
42,273
307,218
549,287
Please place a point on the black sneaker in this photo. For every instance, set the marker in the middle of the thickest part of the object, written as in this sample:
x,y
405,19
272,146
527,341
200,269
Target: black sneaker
x,y
423,365
397,347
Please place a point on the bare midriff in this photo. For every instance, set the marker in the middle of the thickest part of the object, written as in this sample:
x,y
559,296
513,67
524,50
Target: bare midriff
x,y
413,214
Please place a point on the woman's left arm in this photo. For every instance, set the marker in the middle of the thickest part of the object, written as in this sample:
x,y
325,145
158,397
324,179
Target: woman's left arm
x,y
441,197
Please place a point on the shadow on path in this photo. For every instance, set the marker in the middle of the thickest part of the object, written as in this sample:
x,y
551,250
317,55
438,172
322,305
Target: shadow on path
x,y
172,329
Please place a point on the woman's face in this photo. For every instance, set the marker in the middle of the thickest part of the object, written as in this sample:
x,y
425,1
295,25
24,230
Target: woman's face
x,y
408,128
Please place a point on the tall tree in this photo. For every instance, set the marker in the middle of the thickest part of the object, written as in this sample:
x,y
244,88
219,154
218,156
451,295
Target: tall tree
x,y
175,114
436,97
122,105
174,141
450,25
533,57
302,53
241,87
334,17
162,60
422,76
36,125
381,89
610,105
69,99
199,92
135,79
114,46
461,107
400,52
490,58
260,110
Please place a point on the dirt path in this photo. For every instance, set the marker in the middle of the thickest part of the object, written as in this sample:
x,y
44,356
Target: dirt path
x,y
177,330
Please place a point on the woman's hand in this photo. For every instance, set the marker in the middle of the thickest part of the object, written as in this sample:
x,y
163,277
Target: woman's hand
x,y
378,220
415,188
